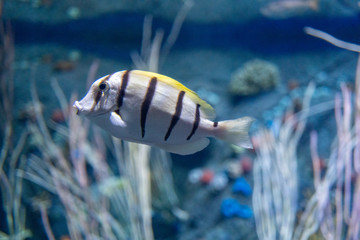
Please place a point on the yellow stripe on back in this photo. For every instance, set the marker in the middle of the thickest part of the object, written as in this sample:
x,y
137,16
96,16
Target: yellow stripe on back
x,y
205,108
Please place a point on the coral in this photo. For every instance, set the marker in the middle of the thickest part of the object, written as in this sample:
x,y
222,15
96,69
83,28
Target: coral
x,y
255,76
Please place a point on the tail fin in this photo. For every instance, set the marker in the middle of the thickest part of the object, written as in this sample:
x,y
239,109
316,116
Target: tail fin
x,y
236,131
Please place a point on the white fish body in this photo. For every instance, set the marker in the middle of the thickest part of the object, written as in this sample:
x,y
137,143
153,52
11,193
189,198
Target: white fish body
x,y
153,109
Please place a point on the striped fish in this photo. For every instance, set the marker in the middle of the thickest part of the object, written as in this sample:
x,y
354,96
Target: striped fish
x,y
153,109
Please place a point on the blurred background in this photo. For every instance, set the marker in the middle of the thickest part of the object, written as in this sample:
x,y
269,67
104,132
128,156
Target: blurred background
x,y
63,178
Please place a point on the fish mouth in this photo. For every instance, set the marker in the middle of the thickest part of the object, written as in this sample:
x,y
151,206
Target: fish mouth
x,y
78,107
81,111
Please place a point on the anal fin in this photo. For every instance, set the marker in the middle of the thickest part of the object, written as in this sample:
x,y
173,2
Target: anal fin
x,y
187,148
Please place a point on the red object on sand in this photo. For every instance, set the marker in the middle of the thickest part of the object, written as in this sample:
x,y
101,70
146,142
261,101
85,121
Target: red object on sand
x,y
58,116
246,164
207,176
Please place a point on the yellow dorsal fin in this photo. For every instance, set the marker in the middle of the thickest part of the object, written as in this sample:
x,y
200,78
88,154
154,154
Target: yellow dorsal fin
x,y
205,108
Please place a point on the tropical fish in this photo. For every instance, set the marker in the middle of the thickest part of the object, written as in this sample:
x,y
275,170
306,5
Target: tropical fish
x,y
289,8
153,109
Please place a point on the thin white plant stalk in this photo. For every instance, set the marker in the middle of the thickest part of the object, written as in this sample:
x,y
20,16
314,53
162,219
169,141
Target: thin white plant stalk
x,y
46,223
140,156
176,27
154,56
275,176
77,140
165,197
52,149
354,224
347,210
327,37
146,37
64,105
153,52
151,55
92,73
342,164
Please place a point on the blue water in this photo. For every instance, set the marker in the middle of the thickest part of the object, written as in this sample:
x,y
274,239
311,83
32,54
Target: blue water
x,y
110,35
115,35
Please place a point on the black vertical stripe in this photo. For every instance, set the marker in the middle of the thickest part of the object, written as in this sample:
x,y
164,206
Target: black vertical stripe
x,y
176,116
215,124
97,97
98,92
146,104
196,122
122,89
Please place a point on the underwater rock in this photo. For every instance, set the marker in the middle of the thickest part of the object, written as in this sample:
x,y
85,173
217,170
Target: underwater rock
x,y
255,76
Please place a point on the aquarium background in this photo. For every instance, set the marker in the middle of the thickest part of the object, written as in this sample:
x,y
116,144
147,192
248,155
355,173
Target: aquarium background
x,y
63,178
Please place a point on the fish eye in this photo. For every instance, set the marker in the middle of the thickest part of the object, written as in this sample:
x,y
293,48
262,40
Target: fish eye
x,y
104,86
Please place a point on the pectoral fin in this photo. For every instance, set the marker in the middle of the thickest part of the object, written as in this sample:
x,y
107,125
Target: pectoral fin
x,y
116,120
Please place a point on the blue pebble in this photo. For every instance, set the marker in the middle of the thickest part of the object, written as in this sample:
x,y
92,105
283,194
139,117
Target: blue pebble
x,y
232,208
242,186
229,207
245,212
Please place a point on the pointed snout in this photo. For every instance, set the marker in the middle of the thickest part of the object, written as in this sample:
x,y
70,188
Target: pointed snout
x,y
78,107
